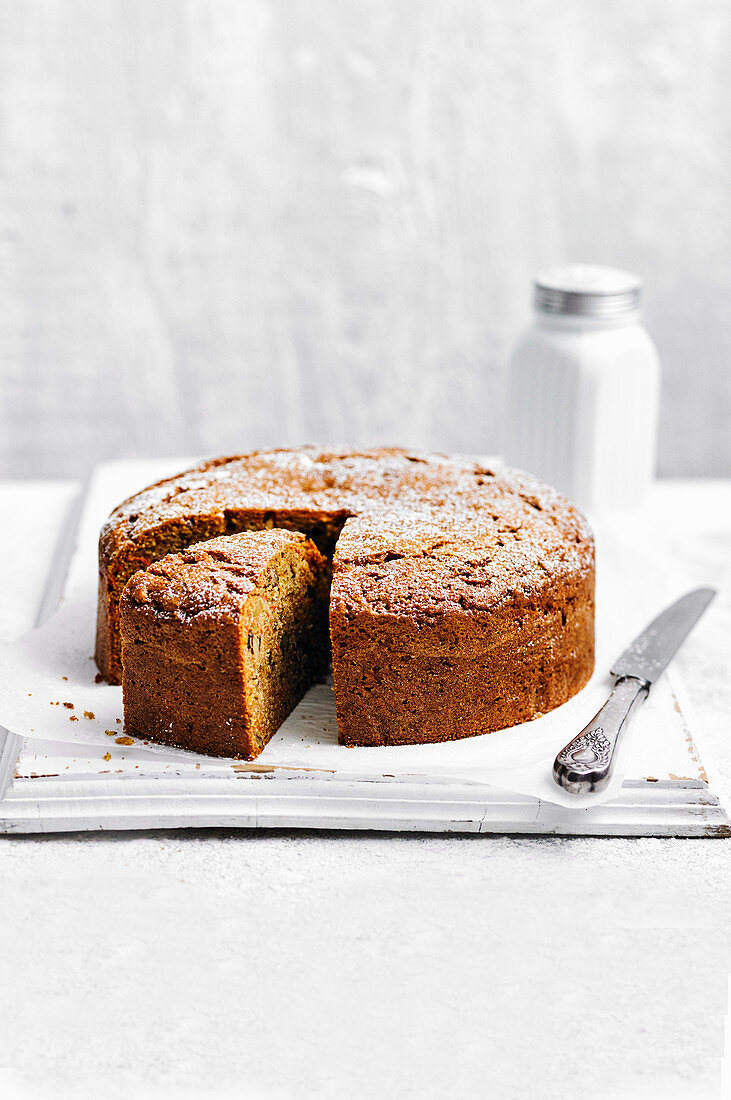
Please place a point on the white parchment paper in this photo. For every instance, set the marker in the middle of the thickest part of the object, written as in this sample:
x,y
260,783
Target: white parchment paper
x,y
53,666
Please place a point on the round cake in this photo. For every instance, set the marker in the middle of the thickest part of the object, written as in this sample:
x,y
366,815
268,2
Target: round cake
x,y
462,595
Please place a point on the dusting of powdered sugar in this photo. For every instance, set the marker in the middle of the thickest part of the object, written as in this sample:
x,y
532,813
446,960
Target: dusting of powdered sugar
x,y
449,514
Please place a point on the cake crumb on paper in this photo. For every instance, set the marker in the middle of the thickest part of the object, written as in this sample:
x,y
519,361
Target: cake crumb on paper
x,y
107,756
89,714
123,741
69,705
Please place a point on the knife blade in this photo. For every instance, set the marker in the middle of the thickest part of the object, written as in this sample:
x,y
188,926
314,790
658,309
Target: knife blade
x,y
585,764
649,654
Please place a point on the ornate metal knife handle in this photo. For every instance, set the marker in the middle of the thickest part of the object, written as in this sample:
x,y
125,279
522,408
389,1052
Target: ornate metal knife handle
x,y
586,763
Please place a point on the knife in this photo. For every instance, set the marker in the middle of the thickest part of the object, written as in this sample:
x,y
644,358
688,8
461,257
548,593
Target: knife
x,y
585,764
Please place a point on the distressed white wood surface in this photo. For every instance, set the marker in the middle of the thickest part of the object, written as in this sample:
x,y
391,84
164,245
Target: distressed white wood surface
x,y
263,802
231,223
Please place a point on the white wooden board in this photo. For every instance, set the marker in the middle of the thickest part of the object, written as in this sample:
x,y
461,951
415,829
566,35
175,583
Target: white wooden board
x,y
50,786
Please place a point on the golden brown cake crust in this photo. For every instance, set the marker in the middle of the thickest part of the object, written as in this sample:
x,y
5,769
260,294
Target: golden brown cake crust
x,y
481,572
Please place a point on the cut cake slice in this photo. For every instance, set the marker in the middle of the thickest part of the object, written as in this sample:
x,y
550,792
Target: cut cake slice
x,y
220,642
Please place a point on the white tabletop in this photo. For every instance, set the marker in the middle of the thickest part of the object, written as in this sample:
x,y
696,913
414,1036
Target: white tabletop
x,y
269,964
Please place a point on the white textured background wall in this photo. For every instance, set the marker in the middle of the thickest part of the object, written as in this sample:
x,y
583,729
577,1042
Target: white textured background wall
x,y
229,223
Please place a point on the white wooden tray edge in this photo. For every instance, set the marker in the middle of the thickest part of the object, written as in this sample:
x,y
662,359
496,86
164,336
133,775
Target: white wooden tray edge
x,y
306,804
269,800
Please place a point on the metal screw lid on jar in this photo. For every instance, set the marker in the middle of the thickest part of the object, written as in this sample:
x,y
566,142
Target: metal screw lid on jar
x,y
587,290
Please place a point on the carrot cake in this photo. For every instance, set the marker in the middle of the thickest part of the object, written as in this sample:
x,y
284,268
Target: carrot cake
x,y
462,597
